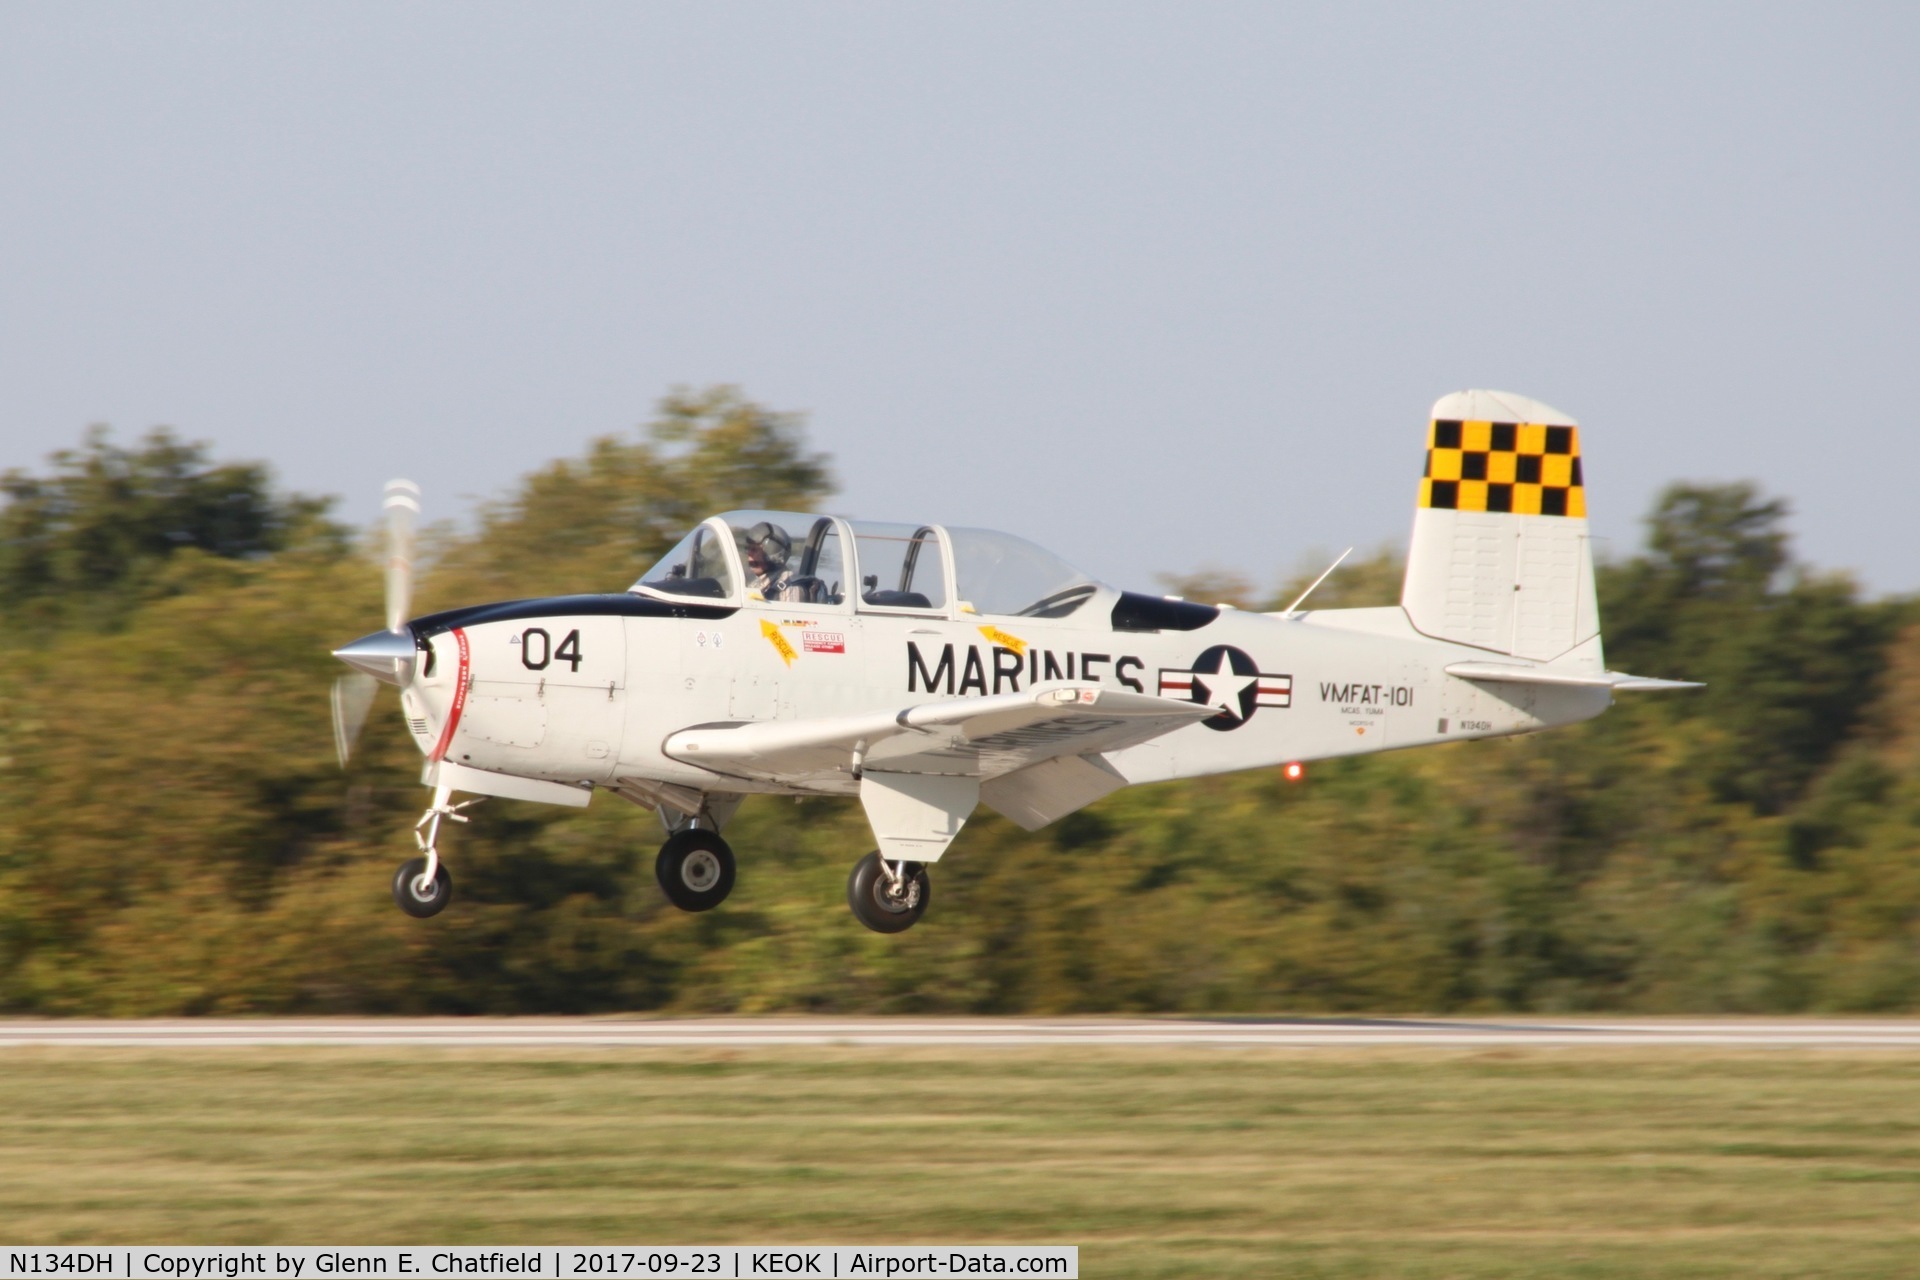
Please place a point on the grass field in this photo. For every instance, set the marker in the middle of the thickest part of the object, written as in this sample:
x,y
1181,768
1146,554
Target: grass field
x,y
1157,1163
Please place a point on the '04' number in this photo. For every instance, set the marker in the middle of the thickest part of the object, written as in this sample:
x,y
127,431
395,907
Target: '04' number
x,y
536,649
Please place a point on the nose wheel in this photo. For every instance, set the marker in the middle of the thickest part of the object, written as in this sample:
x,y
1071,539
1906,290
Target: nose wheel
x,y
420,892
695,869
888,897
422,886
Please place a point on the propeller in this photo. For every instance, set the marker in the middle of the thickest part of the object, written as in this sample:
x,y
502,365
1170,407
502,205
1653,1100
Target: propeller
x,y
403,509
385,657
352,699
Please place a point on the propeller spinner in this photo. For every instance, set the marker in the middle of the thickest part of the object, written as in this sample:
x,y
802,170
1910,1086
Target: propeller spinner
x,y
384,657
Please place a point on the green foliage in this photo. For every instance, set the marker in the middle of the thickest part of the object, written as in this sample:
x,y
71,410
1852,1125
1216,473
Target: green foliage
x,y
594,524
104,529
1791,659
1717,541
175,838
1363,583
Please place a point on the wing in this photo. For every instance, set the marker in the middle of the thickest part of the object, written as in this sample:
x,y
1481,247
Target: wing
x,y
981,738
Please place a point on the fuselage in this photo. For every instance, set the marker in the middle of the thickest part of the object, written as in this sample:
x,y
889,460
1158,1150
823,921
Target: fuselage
x,y
588,689
928,669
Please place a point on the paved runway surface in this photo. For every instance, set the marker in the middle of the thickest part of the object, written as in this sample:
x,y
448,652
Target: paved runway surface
x,y
981,1033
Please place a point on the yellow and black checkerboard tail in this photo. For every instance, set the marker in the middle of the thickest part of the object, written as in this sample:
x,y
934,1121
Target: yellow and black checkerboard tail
x,y
1500,557
1517,468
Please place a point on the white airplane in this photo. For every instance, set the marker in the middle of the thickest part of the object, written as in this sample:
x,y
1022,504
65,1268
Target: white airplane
x,y
927,670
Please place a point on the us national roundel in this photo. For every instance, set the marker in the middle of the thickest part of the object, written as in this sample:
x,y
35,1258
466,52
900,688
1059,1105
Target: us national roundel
x,y
1229,679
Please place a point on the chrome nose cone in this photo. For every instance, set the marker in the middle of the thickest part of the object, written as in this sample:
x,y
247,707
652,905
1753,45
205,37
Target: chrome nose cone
x,y
385,655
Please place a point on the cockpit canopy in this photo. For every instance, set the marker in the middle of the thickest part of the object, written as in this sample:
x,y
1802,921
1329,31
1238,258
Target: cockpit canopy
x,y
868,565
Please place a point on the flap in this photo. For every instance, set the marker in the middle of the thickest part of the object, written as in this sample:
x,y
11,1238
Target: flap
x,y
1043,793
973,737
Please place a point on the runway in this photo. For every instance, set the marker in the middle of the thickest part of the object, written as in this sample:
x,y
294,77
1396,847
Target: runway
x,y
1346,1033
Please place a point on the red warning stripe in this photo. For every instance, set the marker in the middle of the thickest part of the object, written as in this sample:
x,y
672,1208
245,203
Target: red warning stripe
x,y
459,699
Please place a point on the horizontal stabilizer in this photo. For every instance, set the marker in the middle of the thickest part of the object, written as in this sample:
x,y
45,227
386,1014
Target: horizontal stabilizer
x,y
1508,673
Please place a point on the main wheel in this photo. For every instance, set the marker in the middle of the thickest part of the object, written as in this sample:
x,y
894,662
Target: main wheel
x,y
881,904
422,899
695,869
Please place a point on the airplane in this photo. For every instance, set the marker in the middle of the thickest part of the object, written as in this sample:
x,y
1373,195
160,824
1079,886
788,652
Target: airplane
x,y
926,670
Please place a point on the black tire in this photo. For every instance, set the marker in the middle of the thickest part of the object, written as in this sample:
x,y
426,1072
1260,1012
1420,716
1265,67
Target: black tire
x,y
695,869
406,890
869,893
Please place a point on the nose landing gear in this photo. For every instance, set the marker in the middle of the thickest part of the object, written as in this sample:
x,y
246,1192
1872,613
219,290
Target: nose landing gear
x,y
422,886
888,897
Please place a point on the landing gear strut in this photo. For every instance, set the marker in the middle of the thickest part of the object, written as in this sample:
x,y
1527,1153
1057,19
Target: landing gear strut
x,y
695,869
888,897
422,886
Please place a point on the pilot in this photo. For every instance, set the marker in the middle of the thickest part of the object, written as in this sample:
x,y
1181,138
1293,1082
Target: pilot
x,y
767,549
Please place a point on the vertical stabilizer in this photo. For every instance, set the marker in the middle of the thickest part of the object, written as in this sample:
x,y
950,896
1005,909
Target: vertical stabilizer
x,y
1501,558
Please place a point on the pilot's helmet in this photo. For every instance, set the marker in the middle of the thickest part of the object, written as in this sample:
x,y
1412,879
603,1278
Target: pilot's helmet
x,y
773,542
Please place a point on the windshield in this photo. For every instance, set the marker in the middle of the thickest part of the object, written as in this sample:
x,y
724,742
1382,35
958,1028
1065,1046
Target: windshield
x,y
697,567
1001,574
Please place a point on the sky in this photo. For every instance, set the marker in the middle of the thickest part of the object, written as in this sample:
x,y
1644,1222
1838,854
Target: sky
x,y
1161,287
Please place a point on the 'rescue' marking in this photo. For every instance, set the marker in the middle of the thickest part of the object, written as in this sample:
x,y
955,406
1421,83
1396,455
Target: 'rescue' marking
x,y
995,635
781,645
459,698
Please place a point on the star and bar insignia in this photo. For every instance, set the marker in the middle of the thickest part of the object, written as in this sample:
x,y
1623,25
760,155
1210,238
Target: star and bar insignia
x,y
1230,680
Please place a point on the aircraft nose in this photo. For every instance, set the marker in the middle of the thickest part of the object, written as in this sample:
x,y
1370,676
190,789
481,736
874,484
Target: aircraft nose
x,y
388,656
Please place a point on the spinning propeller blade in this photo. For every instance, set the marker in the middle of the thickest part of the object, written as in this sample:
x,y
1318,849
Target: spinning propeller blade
x,y
385,655
352,698
403,509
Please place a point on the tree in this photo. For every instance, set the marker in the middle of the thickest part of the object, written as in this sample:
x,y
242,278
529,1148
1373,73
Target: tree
x,y
1367,582
594,523
100,527
1718,541
1791,658
175,837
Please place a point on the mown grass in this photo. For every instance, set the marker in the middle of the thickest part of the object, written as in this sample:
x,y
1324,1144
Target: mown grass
x,y
1158,1163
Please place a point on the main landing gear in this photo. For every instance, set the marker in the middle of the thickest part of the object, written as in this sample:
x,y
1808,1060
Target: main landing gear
x,y
888,897
695,869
